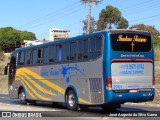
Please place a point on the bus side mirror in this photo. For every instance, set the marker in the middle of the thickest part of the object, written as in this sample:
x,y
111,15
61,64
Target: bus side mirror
x,y
6,70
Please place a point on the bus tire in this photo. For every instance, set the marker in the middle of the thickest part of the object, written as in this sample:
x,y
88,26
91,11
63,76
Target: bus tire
x,y
22,97
71,100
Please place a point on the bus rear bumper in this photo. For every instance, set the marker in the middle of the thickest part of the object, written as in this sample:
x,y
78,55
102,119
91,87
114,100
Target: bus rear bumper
x,y
122,97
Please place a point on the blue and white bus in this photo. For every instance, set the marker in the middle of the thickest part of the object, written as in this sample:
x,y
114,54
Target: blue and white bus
x,y
106,68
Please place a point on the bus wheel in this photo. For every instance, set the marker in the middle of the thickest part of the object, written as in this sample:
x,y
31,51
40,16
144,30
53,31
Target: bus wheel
x,y
22,97
71,100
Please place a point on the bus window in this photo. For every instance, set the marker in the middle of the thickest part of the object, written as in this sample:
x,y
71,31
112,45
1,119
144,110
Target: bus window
x,y
66,55
73,51
95,47
34,57
52,54
28,57
58,53
86,49
21,58
92,45
99,43
40,58
45,55
80,50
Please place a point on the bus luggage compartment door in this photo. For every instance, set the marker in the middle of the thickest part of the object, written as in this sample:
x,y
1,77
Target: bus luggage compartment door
x,y
131,75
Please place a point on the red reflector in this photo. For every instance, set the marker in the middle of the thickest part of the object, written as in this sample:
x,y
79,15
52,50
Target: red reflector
x,y
109,85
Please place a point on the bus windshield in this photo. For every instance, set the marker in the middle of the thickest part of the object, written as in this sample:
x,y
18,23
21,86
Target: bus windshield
x,y
131,42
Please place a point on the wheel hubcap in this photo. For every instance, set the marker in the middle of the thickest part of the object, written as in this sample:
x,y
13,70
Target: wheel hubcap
x,y
71,100
22,96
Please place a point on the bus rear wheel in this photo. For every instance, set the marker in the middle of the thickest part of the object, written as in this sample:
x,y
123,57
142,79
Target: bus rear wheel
x,y
71,100
22,97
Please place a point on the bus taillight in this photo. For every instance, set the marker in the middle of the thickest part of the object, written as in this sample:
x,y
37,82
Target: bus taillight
x,y
109,82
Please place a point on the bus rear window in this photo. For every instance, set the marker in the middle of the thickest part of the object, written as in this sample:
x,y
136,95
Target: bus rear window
x,y
131,42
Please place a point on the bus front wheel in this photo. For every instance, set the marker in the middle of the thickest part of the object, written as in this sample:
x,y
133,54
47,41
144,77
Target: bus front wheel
x,y
71,100
22,97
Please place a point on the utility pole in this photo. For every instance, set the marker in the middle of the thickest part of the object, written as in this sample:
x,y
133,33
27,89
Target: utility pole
x,y
89,16
89,12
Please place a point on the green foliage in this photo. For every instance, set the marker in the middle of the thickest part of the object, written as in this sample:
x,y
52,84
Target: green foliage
x,y
10,36
155,33
27,35
156,40
109,17
122,24
156,53
92,26
148,28
1,55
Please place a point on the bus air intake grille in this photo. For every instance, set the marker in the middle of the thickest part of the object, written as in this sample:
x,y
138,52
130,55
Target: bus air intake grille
x,y
96,90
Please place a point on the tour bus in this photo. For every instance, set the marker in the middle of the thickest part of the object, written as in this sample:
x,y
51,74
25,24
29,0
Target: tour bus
x,y
107,68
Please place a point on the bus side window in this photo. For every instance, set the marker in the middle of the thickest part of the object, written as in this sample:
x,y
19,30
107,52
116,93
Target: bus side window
x,y
80,50
86,49
28,57
45,55
73,51
21,58
40,56
95,47
58,53
99,43
52,54
34,57
66,55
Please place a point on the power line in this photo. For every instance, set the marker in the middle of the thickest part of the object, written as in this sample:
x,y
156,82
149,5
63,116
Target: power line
x,y
148,7
144,18
49,15
39,25
133,6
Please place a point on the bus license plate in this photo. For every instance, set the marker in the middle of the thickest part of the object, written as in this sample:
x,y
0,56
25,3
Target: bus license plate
x,y
133,90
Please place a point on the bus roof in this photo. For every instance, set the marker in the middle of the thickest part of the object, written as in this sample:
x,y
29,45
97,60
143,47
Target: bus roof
x,y
84,36
127,30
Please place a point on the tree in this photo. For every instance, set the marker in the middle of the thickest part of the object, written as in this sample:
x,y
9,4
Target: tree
x,y
25,35
148,28
10,36
89,12
109,17
122,24
151,29
1,54
92,26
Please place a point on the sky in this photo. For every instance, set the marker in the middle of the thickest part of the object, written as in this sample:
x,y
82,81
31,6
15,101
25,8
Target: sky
x,y
39,16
